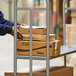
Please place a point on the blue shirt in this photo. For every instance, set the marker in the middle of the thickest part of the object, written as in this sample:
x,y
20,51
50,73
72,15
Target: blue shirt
x,y
5,25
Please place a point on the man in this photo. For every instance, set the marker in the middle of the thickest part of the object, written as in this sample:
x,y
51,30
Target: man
x,y
7,27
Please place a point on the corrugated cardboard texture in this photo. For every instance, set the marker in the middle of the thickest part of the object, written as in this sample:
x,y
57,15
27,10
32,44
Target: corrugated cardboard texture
x,y
35,30
36,37
66,71
38,48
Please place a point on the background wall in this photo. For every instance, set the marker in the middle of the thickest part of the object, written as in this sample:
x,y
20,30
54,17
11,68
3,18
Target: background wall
x,y
4,7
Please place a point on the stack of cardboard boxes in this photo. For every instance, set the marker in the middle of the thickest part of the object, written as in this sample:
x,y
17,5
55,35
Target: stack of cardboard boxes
x,y
38,42
71,28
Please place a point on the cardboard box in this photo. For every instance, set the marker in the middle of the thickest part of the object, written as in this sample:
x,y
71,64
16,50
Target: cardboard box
x,y
73,21
73,13
70,34
72,38
38,48
73,28
68,29
65,71
36,37
56,46
35,30
73,3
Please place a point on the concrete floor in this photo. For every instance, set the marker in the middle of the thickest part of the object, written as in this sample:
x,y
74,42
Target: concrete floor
x,y
6,58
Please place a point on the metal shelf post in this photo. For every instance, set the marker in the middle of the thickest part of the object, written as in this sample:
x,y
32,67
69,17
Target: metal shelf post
x,y
64,30
64,26
15,37
30,43
47,41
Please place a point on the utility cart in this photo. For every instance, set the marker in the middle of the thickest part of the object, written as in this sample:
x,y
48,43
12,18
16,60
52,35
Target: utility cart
x,y
65,50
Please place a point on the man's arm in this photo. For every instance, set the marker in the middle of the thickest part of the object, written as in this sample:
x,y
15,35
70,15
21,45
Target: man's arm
x,y
4,21
7,26
5,29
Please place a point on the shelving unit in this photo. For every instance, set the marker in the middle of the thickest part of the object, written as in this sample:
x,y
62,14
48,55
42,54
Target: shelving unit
x,y
64,26
65,50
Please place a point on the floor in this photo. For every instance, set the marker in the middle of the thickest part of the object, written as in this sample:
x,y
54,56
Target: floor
x,y
6,58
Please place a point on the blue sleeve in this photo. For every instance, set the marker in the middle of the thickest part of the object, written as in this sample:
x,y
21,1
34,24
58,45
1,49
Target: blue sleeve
x,y
4,21
5,25
4,29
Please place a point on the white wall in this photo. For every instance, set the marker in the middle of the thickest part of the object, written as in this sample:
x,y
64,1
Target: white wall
x,y
4,7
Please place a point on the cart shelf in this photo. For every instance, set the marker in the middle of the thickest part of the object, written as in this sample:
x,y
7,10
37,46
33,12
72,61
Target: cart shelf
x,y
71,8
19,8
65,50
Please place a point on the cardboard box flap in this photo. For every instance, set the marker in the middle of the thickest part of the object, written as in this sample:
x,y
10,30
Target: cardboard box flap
x,y
36,37
39,27
35,30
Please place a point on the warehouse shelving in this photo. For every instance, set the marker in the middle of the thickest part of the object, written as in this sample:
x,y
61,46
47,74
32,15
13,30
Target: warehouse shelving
x,y
64,26
65,50
43,9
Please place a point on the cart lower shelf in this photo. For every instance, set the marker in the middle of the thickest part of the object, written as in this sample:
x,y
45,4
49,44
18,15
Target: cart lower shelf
x,y
65,50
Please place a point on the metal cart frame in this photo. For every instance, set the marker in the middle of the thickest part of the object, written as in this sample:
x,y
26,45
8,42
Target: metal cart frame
x,y
47,58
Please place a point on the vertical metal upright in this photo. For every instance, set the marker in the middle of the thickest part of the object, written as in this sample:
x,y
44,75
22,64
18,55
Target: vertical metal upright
x,y
48,28
15,35
64,30
30,42
64,26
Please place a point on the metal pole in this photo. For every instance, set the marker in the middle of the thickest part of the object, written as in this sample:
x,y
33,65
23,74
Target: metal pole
x,y
64,26
30,42
48,27
64,30
65,60
15,37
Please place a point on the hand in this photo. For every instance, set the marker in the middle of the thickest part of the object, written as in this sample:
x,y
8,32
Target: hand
x,y
19,34
23,25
